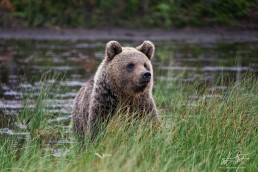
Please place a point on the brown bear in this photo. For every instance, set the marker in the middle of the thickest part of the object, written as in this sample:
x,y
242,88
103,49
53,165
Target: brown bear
x,y
123,79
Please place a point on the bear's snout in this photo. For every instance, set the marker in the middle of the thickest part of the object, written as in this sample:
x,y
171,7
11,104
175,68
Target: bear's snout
x,y
145,76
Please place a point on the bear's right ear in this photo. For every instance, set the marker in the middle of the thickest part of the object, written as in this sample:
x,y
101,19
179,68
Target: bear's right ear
x,y
112,49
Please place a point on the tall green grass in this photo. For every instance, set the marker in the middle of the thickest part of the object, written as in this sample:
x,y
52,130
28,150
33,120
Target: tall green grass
x,y
216,133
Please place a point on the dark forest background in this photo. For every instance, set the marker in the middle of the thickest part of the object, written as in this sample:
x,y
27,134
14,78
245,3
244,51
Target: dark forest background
x,y
127,13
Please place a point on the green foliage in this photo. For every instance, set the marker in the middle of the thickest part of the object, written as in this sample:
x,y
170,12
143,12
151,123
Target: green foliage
x,y
164,13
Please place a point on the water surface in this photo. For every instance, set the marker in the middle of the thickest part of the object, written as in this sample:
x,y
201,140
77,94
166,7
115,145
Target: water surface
x,y
28,65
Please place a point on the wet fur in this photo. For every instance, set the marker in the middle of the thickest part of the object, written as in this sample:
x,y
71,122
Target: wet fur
x,y
109,90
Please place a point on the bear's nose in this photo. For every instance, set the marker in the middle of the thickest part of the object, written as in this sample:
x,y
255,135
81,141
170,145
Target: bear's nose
x,y
146,75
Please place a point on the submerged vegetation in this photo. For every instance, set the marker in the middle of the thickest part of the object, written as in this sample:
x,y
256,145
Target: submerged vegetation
x,y
148,13
201,129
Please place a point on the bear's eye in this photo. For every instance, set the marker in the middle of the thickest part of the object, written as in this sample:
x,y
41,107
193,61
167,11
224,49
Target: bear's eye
x,y
130,65
146,67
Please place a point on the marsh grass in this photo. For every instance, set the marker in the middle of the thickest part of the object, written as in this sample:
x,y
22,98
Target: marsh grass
x,y
208,133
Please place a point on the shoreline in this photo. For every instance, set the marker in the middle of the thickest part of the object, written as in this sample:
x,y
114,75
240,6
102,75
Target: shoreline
x,y
188,35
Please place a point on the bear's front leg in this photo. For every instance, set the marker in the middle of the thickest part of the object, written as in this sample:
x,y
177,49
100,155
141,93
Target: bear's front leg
x,y
99,114
96,122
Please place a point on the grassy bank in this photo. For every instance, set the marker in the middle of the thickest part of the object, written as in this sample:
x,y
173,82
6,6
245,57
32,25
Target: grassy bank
x,y
132,13
205,133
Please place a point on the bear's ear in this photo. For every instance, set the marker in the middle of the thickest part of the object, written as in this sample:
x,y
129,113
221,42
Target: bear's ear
x,y
112,49
147,48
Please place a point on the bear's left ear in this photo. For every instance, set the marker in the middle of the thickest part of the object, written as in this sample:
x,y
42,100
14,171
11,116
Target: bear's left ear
x,y
147,48
112,49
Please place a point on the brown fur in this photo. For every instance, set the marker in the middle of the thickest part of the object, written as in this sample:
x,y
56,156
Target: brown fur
x,y
116,84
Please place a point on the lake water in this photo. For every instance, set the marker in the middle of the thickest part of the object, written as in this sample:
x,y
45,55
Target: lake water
x,y
27,65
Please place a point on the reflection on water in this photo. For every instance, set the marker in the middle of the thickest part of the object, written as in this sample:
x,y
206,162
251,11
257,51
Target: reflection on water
x,y
22,63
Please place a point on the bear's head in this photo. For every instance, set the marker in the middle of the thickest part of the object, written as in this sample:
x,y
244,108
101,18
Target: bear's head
x,y
129,68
